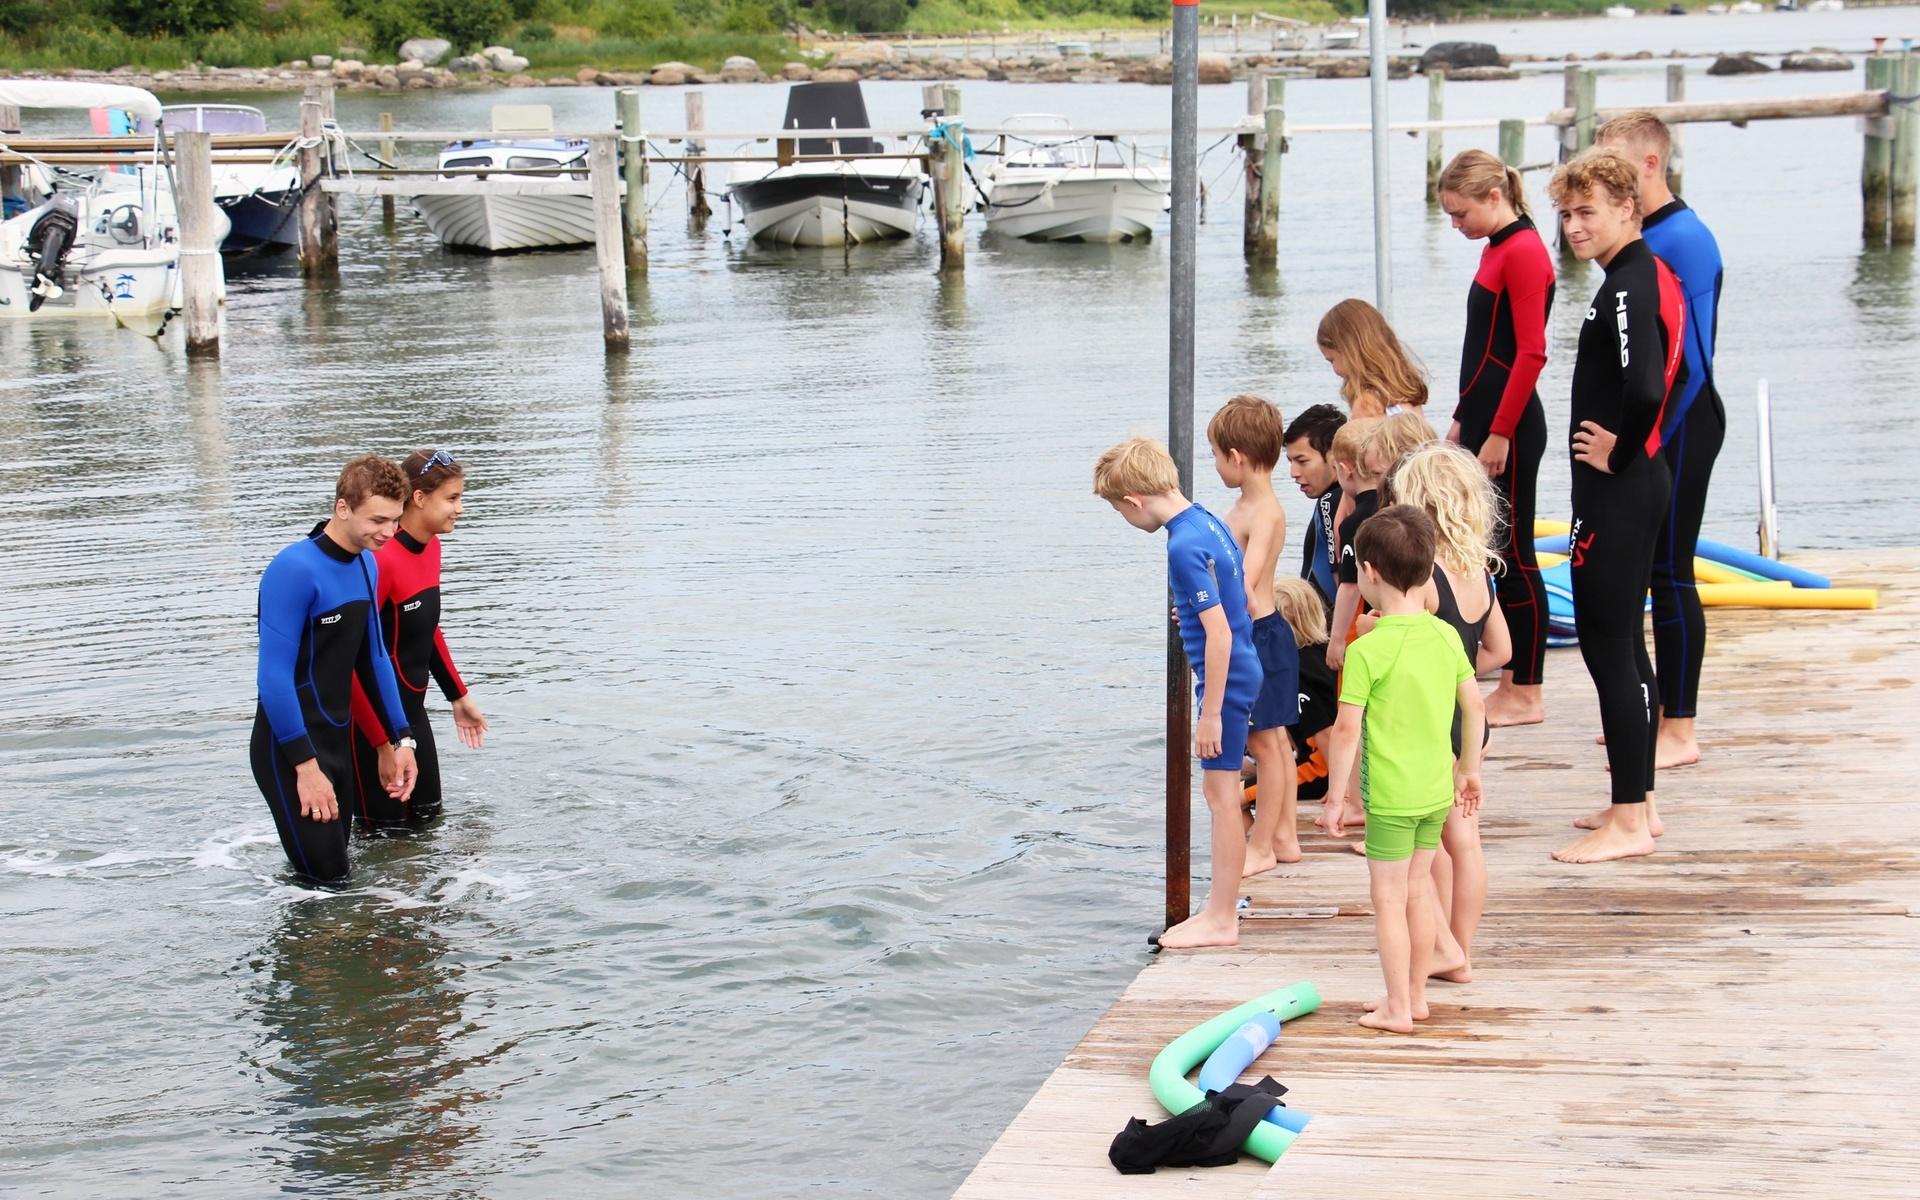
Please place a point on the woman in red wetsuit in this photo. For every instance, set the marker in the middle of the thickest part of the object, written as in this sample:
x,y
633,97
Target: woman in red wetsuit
x,y
1499,416
409,596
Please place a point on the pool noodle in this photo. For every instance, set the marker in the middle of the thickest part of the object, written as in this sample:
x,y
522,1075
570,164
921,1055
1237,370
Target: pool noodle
x,y
1718,552
1168,1074
1236,1054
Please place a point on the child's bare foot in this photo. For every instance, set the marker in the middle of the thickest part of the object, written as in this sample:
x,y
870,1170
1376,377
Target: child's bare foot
x,y
1286,848
1200,930
1616,840
1419,1011
1506,707
1460,974
1258,863
1359,848
1387,1023
1671,752
1604,817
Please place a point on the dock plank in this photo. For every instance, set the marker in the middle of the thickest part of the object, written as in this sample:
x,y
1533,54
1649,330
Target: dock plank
x,y
1730,1017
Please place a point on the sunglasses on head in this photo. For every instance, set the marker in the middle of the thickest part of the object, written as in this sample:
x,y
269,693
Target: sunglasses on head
x,y
441,458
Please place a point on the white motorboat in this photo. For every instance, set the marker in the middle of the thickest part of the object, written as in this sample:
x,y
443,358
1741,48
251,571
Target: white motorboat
x,y
497,221
1745,7
829,202
1053,185
1827,6
261,200
95,249
1622,12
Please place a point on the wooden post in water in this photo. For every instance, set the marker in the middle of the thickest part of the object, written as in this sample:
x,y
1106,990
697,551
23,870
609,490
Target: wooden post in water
x,y
1252,160
319,235
387,152
951,195
1676,92
1570,94
1273,143
10,177
698,210
1876,163
1585,94
633,172
1513,143
199,246
603,168
1906,146
1436,109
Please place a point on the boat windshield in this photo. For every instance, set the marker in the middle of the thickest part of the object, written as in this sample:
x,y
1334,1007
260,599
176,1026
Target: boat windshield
x,y
1046,156
210,118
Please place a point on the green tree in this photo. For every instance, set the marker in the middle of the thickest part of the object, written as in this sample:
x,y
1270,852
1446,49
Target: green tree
x,y
869,16
147,18
468,24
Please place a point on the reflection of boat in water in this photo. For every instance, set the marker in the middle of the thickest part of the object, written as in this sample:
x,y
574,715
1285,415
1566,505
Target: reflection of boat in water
x,y
828,203
498,221
1052,185
109,247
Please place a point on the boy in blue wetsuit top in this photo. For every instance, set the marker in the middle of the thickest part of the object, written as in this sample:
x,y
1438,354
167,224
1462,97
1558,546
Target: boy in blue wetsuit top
x,y
1139,479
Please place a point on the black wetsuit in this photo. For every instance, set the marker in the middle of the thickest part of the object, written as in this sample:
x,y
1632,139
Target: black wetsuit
x,y
1470,634
319,631
1628,362
1500,362
1365,504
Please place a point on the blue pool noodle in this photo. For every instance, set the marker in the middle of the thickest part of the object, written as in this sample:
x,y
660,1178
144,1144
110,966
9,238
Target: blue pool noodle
x,y
1720,552
1236,1054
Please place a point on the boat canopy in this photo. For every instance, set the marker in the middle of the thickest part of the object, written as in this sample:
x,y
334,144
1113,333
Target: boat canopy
x,y
61,93
829,106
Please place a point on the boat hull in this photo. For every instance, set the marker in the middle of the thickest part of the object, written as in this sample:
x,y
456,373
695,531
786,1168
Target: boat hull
x,y
114,283
1076,210
262,222
829,210
507,223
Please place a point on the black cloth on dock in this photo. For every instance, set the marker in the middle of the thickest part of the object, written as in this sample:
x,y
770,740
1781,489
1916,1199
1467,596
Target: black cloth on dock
x,y
1209,1134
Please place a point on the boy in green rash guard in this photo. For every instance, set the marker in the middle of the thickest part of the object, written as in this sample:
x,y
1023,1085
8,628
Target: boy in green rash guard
x,y
1403,680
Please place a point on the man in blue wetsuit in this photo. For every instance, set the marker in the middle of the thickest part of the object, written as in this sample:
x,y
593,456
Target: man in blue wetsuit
x,y
1691,435
319,628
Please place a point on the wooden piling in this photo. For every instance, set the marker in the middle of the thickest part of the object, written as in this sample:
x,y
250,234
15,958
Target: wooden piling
x,y
387,153
1513,142
319,233
10,176
1273,144
950,182
1570,96
1251,164
1876,163
1676,93
1436,111
1906,146
1584,122
633,172
698,210
199,243
603,169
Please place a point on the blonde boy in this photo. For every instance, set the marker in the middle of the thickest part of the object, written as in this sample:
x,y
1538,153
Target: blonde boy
x,y
1139,479
1361,499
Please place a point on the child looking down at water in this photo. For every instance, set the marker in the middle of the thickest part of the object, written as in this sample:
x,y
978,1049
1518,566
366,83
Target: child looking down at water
x,y
1139,479
1402,682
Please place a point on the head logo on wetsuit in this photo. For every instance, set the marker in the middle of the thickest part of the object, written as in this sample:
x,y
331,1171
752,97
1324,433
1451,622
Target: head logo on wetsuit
x,y
1620,319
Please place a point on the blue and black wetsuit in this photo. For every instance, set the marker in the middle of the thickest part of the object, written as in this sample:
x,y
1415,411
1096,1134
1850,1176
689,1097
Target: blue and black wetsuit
x,y
1691,435
319,629
1320,556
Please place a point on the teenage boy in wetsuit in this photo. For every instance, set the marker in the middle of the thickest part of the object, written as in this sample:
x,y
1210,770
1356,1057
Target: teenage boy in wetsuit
x,y
319,630
1308,439
1690,436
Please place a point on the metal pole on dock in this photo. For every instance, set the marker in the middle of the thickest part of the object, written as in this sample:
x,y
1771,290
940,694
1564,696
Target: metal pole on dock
x,y
199,245
1676,160
1906,146
1769,513
1513,142
950,182
1185,218
603,168
319,235
698,210
1876,163
1436,111
633,171
387,152
1382,242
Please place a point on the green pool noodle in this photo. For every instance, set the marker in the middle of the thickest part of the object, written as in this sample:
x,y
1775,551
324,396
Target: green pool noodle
x,y
1168,1075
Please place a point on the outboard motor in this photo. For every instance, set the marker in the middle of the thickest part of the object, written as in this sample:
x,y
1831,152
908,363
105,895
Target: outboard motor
x,y
48,242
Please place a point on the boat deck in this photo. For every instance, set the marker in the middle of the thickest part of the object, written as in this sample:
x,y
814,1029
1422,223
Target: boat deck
x,y
1730,1017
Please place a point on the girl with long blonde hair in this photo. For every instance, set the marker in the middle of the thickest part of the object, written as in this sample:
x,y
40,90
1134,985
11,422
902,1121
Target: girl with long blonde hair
x,y
1377,375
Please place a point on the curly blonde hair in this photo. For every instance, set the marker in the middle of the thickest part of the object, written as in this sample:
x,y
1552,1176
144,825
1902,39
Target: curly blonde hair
x,y
1306,613
1601,171
1450,484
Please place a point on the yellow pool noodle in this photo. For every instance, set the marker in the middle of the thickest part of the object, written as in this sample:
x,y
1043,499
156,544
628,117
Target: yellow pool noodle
x,y
1769,595
1703,571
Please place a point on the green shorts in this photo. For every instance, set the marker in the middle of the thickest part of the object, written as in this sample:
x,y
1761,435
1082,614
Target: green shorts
x,y
1394,839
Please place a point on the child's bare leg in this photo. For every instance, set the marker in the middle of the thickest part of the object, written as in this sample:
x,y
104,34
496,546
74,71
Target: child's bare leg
x,y
1423,912
1447,954
1515,704
1461,839
1389,884
1217,924
1275,820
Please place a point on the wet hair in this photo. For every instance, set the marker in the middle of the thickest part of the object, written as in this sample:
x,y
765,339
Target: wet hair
x,y
1390,438
1136,467
1398,542
1448,483
424,478
1600,170
1350,443
1641,130
1375,360
1475,173
1317,424
1251,425
1305,612
370,475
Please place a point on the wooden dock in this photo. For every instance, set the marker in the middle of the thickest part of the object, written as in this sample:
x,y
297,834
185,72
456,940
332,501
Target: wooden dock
x,y
1733,1016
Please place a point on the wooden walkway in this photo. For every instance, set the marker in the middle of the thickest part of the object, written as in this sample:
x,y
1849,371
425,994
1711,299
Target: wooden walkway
x,y
1733,1016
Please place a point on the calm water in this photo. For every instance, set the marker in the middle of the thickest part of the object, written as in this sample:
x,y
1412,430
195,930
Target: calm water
x,y
825,698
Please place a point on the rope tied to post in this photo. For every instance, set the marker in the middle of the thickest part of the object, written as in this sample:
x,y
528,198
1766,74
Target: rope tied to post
x,y
942,131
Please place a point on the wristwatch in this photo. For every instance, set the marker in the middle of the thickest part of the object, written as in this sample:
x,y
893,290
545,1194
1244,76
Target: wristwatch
x,y
406,743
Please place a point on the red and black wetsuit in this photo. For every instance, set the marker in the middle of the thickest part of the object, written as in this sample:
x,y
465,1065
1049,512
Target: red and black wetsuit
x,y
1630,358
1500,362
409,591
